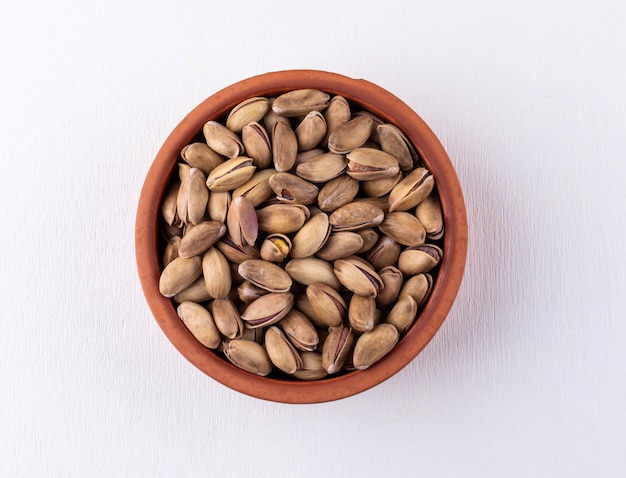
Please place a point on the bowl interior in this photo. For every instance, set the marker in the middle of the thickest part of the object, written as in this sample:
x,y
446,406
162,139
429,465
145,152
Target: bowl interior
x,y
364,95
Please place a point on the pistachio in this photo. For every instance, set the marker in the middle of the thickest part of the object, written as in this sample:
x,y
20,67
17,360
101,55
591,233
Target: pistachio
x,y
403,228
168,205
403,314
419,287
381,203
196,292
219,202
376,122
368,164
337,192
248,292
340,245
370,238
257,144
312,368
337,113
374,345
171,250
200,323
350,135
271,118
290,188
304,156
299,330
303,304
281,352
222,140
193,195
230,174
412,190
227,318
284,147
256,189
337,348
242,222
275,248
179,274
248,111
199,238
392,279
327,303
300,102
265,275
356,276
418,259
384,253
393,141
199,155
380,187
430,215
310,270
216,273
362,312
356,215
282,218
311,131
268,309
322,168
312,237
236,253
248,356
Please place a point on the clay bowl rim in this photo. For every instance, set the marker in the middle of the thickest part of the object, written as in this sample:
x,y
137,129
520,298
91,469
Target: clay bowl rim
x,y
391,109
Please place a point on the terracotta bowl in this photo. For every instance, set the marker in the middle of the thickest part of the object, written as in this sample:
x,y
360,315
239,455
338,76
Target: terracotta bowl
x,y
362,94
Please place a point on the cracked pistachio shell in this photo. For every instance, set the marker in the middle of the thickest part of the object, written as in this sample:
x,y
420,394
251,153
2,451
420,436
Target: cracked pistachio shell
x,y
310,270
362,313
200,237
337,192
418,287
236,253
368,164
356,215
257,144
337,113
312,368
290,188
322,168
403,314
222,140
430,215
280,351
266,275
311,237
282,218
179,274
284,147
231,174
340,245
193,195
374,345
196,292
256,189
412,190
248,111
404,228
376,122
248,292
275,248
199,155
327,303
299,330
242,222
168,205
311,131
200,323
392,279
248,356
216,271
337,347
268,309
394,141
358,277
384,253
300,102
350,135
219,202
419,259
380,187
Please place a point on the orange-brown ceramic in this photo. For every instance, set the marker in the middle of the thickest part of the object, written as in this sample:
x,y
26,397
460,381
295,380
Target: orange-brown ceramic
x,y
381,103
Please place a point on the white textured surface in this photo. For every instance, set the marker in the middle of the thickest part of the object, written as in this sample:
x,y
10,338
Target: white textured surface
x,y
527,377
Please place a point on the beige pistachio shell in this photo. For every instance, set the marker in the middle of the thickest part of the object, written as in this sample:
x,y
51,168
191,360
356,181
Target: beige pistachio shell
x,y
248,356
381,203
280,351
356,215
380,187
311,131
248,111
376,122
243,226
337,347
257,144
231,174
222,140
299,330
384,253
179,274
168,205
419,259
247,292
392,279
403,314
412,190
196,292
282,218
290,188
193,195
430,215
217,207
311,237
322,168
312,368
350,135
368,164
236,253
227,318
257,189
404,228
284,147
199,238
266,275
303,304
337,192
300,102
199,155
419,287
271,118
370,238
275,248
374,345
310,270
340,245
362,313
268,309
337,113
200,323
357,277
216,271
394,141
327,303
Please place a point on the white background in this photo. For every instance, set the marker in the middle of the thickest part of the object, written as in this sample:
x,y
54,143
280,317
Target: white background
x,y
527,376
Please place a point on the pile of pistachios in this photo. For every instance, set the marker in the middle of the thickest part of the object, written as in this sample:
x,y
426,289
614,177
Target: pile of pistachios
x,y
301,236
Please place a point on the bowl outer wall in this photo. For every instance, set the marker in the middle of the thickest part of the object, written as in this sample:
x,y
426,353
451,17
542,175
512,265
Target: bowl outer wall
x,y
379,102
